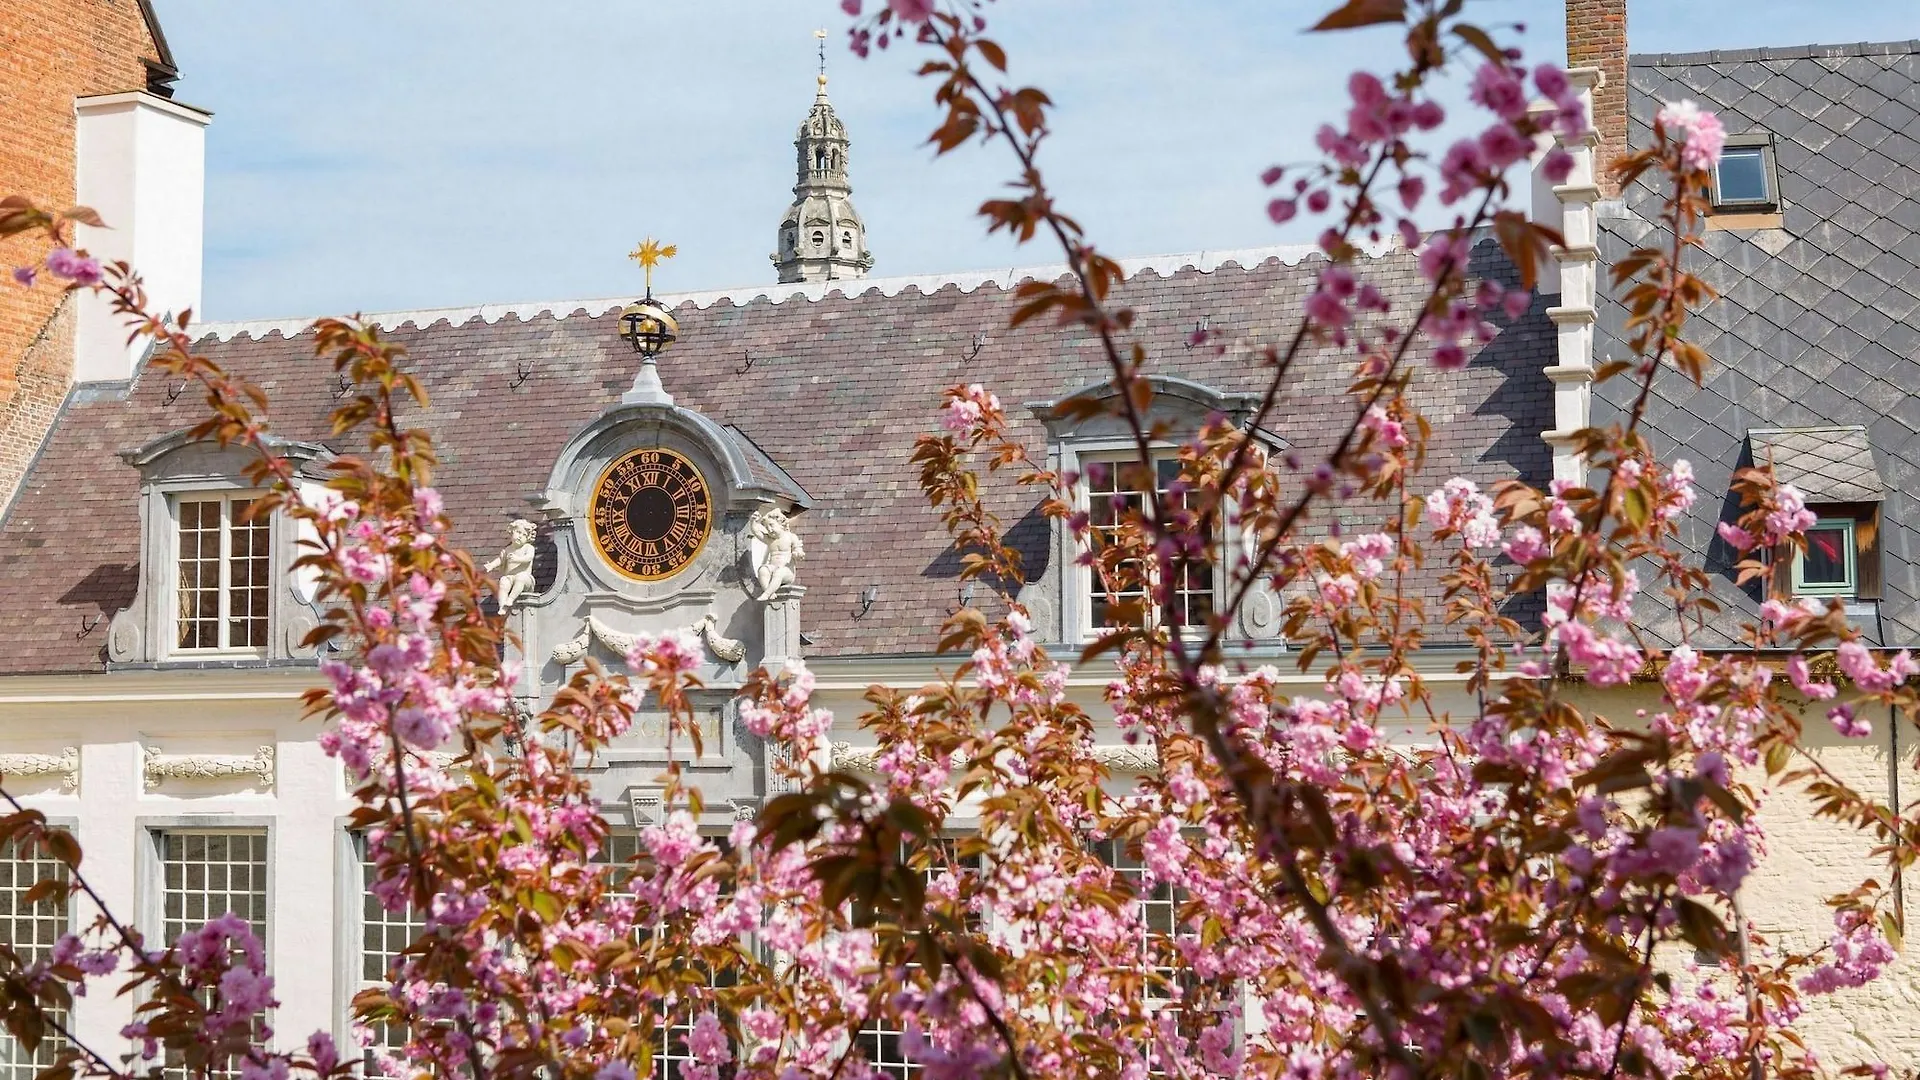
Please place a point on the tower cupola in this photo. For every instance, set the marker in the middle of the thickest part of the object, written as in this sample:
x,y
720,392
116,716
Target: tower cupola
x,y
821,237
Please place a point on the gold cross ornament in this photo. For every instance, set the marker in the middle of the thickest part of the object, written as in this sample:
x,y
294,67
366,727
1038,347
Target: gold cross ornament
x,y
649,254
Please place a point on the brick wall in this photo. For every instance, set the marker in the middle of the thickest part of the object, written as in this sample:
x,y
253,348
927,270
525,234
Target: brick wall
x,y
51,52
1597,37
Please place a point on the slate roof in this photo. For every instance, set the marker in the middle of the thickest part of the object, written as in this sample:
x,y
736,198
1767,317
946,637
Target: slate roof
x,y
1826,464
1817,322
837,391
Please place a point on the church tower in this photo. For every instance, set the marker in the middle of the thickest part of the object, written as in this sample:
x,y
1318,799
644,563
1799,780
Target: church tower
x,y
821,237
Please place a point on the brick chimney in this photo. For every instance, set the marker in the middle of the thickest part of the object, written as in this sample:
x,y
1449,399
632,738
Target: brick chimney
x,y
1597,38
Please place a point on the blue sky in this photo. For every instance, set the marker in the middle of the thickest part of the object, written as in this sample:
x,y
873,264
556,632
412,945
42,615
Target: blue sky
x,y
368,155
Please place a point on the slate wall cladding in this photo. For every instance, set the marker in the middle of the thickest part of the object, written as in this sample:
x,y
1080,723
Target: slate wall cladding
x,y
837,392
1816,324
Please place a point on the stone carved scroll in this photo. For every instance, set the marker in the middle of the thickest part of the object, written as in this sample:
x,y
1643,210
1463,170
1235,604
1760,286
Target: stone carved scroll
x,y
161,767
65,764
1119,758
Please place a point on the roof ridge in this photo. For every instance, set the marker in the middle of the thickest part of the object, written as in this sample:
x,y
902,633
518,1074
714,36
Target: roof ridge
x,y
1774,52
1205,262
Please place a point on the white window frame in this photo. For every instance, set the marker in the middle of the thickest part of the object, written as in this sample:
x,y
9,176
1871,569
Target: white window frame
x,y
1760,142
1849,587
1076,456
232,504
152,903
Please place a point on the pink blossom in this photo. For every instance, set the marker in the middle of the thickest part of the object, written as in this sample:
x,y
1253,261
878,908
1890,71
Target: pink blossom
x,y
1551,79
1738,538
1501,146
1787,516
1272,175
1526,545
1498,88
1556,166
1803,680
1459,507
1848,723
1282,210
1698,129
25,276
80,269
363,564
913,11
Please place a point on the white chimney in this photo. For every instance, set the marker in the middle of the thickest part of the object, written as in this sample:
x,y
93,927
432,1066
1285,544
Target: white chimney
x,y
141,163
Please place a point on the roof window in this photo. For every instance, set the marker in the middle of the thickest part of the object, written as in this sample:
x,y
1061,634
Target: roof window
x,y
1744,179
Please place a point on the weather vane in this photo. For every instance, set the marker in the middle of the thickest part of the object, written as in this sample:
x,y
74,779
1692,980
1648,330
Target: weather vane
x,y
822,36
649,254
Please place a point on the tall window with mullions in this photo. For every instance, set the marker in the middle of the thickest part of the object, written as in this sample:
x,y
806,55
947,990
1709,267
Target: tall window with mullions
x,y
384,935
1158,905
207,873
624,854
880,1039
30,930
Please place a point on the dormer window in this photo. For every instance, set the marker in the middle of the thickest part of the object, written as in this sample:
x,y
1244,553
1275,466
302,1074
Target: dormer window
x,y
1743,179
216,583
1114,486
222,576
1833,468
819,238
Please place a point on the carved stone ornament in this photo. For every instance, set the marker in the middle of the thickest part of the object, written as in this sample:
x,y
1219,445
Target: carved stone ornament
x,y
65,764
515,563
1119,758
728,649
1260,613
772,550
160,767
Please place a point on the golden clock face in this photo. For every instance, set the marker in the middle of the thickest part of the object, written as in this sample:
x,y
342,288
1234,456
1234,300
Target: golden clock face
x,y
650,514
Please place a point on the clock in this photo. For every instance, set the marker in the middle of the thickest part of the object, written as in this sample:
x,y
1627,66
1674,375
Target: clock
x,y
650,513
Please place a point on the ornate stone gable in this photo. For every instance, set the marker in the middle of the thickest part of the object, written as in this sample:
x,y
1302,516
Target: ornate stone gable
x,y
661,519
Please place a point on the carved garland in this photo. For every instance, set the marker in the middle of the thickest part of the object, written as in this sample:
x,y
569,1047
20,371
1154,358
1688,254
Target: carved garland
x,y
1118,757
65,764
729,650
160,767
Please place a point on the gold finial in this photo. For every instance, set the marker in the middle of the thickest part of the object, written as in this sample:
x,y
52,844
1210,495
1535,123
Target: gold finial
x,y
649,254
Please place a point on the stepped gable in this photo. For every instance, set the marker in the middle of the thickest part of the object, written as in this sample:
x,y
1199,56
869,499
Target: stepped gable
x,y
838,388
1815,327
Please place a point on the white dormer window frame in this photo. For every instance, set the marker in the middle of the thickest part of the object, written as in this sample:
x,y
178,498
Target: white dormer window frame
x,y
214,588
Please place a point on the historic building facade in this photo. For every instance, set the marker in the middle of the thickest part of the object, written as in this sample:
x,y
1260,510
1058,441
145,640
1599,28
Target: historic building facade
x,y
753,484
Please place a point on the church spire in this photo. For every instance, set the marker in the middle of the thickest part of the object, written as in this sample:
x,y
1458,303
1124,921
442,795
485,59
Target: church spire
x,y
821,237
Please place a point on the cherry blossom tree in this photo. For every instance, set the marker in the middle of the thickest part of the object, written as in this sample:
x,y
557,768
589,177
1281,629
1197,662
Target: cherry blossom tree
x,y
1514,895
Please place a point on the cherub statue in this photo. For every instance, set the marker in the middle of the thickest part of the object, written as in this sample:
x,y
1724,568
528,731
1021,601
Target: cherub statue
x,y
772,547
515,563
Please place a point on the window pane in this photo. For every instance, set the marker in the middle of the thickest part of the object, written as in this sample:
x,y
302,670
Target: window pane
x,y
247,585
1826,560
198,574
1742,176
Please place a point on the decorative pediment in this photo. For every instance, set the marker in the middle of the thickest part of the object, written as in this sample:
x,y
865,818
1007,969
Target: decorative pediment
x,y
1182,404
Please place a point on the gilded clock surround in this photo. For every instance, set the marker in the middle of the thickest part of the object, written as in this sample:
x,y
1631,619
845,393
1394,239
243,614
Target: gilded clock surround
x,y
650,514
